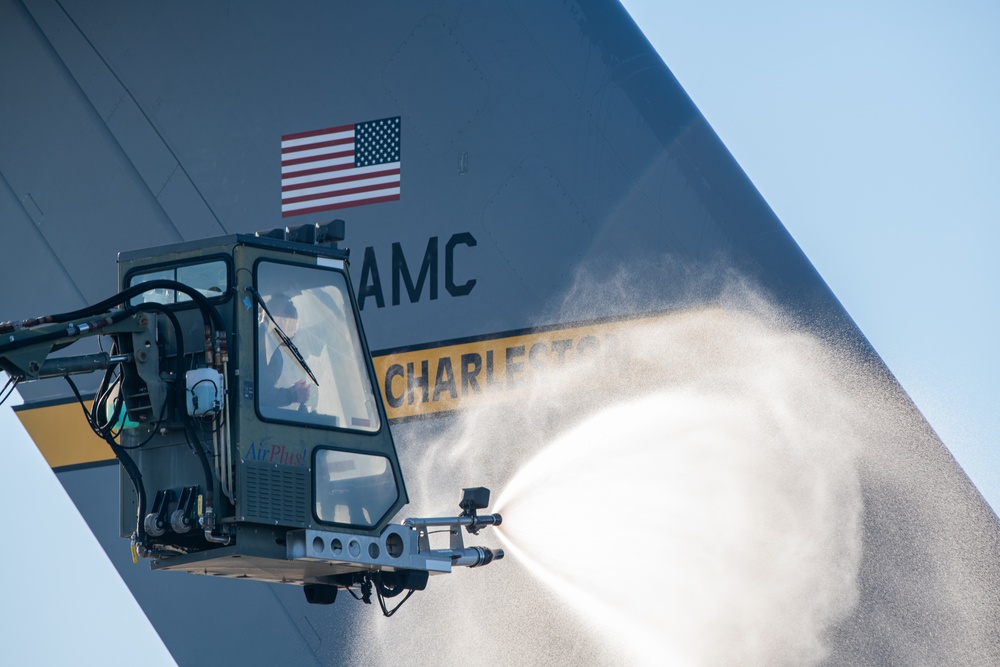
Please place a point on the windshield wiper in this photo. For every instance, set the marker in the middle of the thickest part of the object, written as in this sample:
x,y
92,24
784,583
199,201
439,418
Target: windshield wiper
x,y
286,341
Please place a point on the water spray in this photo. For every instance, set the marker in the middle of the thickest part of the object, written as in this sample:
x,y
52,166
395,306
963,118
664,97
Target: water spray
x,y
721,502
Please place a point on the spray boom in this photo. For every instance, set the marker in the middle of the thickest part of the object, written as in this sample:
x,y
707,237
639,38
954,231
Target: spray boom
x,y
399,559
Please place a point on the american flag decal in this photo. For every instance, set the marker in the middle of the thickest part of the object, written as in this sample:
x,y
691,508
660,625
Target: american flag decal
x,y
350,165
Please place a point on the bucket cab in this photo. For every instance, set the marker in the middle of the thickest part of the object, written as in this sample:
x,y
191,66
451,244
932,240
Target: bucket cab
x,y
285,409
240,399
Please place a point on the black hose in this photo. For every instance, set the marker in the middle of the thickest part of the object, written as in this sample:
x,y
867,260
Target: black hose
x,y
8,388
209,315
189,432
122,297
102,425
206,467
193,441
101,396
211,318
140,490
131,469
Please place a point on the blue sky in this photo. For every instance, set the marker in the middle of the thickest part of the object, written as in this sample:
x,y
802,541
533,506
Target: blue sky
x,y
871,129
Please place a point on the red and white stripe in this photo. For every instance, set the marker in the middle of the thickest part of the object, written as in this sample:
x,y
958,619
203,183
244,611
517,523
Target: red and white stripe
x,y
318,173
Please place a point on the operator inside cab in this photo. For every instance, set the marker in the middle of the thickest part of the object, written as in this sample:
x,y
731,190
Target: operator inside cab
x,y
312,370
310,364
273,352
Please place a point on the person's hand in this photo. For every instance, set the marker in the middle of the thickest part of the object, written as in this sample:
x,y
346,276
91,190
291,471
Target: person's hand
x,y
301,389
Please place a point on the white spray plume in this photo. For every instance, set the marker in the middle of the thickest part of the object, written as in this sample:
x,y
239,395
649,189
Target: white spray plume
x,y
690,500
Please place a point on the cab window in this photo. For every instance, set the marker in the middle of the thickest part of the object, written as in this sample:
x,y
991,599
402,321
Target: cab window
x,y
209,278
311,367
353,488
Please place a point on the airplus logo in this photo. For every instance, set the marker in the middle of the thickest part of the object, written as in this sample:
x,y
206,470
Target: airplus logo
x,y
277,454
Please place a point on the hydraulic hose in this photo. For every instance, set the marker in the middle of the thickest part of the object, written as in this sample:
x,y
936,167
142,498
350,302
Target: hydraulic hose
x,y
122,297
212,320
210,316
131,469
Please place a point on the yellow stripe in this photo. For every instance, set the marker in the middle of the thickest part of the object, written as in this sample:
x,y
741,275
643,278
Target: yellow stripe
x,y
415,383
62,436
447,378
